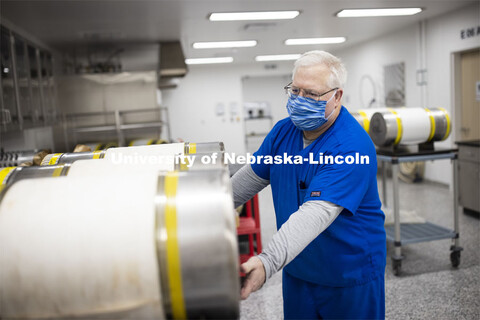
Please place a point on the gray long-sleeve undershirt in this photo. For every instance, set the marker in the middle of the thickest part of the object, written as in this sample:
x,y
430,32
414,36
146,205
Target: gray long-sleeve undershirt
x,y
302,227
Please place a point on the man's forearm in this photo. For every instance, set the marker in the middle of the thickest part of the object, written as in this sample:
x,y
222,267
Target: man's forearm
x,y
246,184
303,226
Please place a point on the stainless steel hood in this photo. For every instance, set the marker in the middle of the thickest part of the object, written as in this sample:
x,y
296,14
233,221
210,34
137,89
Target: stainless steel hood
x,y
171,64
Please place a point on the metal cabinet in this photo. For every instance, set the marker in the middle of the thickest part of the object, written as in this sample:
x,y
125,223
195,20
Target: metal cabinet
x,y
27,94
9,106
469,174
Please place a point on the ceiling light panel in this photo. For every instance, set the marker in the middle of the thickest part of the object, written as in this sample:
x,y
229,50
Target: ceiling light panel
x,y
381,12
225,44
209,60
305,41
242,16
278,57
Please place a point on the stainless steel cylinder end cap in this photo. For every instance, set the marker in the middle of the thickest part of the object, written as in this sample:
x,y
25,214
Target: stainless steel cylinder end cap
x,y
197,246
383,128
441,124
209,147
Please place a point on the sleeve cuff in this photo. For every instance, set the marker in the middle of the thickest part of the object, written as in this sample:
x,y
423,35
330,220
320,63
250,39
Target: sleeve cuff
x,y
266,265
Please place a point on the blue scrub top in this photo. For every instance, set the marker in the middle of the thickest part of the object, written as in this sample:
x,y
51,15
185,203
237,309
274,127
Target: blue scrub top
x,y
352,250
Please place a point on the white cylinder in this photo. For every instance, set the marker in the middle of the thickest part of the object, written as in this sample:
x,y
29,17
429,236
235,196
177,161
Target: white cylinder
x,y
416,125
63,256
102,167
151,151
137,245
409,126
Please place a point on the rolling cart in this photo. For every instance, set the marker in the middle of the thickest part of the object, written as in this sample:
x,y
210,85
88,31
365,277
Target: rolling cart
x,y
401,234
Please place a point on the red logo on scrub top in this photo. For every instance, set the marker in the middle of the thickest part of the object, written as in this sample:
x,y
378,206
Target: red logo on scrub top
x,y
315,194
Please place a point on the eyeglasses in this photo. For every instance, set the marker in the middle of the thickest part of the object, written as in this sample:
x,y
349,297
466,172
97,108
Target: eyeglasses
x,y
293,92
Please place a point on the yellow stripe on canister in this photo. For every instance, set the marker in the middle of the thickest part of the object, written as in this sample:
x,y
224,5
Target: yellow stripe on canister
x,y
172,246
432,125
399,126
449,127
3,176
366,121
54,159
184,165
192,148
97,154
57,172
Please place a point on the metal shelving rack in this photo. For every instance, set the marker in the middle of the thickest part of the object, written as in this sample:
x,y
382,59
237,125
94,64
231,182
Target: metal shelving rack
x,y
407,233
263,134
119,127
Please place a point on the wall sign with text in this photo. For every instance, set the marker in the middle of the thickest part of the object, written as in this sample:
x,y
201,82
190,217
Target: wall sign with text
x,y
470,32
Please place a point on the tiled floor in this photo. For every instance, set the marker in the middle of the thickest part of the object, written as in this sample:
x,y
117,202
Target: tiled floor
x,y
428,288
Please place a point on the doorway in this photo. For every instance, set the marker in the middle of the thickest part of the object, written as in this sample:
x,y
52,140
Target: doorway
x,y
467,102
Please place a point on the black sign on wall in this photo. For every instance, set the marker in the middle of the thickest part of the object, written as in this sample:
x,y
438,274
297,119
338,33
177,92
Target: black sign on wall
x,y
470,32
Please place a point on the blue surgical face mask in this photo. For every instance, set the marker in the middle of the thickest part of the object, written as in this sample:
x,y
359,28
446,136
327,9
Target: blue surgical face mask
x,y
308,114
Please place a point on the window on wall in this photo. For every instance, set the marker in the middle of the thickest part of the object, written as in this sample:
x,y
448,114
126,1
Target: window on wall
x,y
394,76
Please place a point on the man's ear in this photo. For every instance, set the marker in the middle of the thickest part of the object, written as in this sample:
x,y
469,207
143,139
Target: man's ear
x,y
339,95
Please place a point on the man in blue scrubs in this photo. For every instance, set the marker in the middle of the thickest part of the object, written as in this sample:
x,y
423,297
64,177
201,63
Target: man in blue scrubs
x,y
331,239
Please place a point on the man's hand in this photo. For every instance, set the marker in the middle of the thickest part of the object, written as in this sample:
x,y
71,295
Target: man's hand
x,y
255,276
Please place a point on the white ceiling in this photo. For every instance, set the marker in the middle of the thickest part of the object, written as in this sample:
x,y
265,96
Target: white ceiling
x,y
64,23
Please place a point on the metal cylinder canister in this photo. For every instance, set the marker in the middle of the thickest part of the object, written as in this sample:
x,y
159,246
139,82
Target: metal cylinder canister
x,y
363,116
187,148
16,158
65,158
409,126
114,153
143,246
203,147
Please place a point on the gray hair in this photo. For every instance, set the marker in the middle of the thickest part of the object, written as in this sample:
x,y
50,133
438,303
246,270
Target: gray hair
x,y
338,73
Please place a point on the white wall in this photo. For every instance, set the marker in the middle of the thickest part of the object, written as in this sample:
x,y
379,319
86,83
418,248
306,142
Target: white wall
x,y
266,90
95,93
368,59
442,40
206,88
